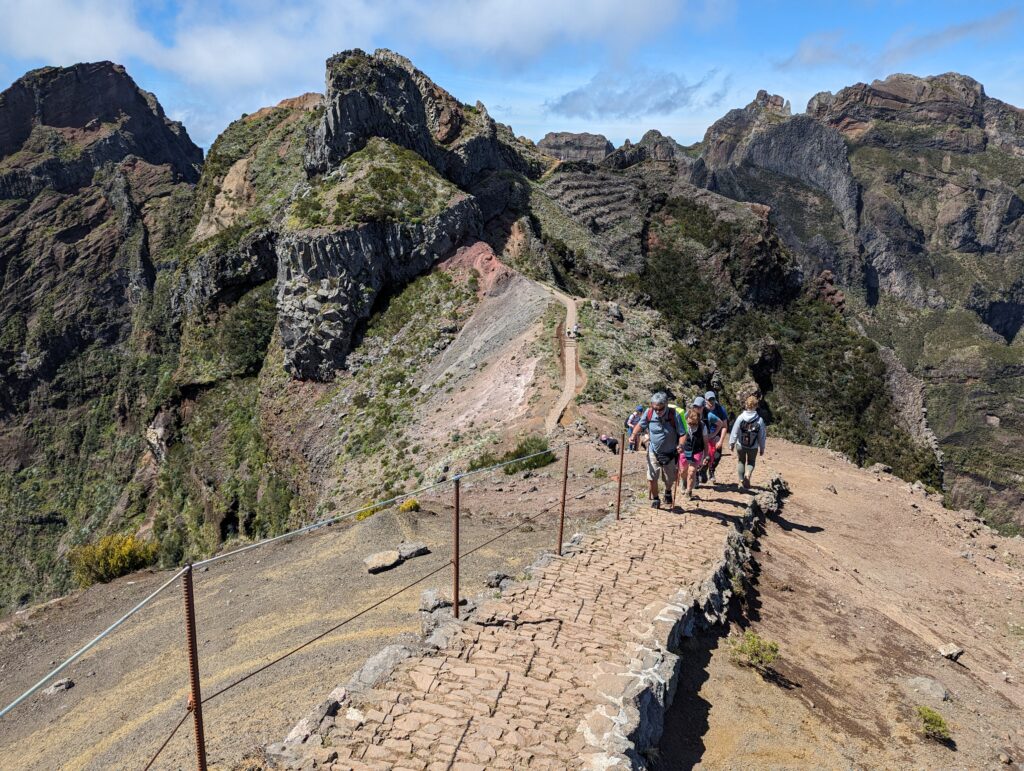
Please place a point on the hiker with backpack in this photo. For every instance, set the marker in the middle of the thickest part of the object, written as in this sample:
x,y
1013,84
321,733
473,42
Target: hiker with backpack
x,y
748,437
696,444
716,437
630,424
665,434
717,409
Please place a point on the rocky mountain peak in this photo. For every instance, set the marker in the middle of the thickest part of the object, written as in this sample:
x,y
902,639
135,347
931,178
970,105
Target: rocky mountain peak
x,y
567,146
770,103
95,110
384,95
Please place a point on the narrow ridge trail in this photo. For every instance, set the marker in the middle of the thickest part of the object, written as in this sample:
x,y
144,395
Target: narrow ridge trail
x,y
570,362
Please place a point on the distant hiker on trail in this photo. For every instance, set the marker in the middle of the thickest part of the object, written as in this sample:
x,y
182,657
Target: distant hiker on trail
x,y
748,437
695,448
630,424
575,330
665,433
610,442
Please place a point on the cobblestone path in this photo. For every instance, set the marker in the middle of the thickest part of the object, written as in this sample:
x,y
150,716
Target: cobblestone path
x,y
536,677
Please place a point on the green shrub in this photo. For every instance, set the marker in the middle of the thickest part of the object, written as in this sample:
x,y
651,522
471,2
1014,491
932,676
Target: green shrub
x,y
754,651
933,724
484,460
408,505
529,446
112,556
600,473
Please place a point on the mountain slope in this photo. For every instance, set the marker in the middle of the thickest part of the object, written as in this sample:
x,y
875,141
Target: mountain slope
x,y
272,340
909,191
93,179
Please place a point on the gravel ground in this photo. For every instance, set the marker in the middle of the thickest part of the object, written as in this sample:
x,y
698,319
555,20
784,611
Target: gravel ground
x,y
130,691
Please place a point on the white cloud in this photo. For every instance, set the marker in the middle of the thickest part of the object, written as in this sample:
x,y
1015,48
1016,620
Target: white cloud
x,y
228,53
63,32
633,93
834,48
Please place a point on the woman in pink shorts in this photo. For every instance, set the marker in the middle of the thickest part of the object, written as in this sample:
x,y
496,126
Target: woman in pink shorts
x,y
695,448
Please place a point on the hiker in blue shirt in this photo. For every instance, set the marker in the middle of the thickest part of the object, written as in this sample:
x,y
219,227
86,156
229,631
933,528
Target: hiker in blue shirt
x,y
665,434
717,409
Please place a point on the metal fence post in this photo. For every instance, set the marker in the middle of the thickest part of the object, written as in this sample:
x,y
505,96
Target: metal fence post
x,y
618,496
455,551
565,482
195,699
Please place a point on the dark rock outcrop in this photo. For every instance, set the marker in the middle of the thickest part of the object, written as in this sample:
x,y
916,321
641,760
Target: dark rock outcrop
x,y
567,146
327,283
87,161
58,125
383,95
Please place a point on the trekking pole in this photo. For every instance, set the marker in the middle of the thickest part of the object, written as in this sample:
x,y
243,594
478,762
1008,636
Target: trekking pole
x,y
618,495
565,483
455,550
195,699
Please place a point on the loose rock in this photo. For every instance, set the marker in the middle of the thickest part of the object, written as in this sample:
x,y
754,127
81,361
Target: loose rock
x,y
951,651
409,550
432,600
63,684
495,578
929,687
382,560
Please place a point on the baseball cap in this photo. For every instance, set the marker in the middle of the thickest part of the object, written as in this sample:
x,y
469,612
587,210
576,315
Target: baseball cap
x,y
710,395
698,401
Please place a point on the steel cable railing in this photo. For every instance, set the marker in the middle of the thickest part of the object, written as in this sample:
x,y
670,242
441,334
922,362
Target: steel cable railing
x,y
186,573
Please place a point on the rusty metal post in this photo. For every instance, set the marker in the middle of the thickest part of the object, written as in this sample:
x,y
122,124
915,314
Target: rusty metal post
x,y
618,496
565,482
455,550
195,699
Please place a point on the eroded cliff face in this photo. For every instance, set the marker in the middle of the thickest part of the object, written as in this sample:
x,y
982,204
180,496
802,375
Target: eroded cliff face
x,y
384,95
93,180
567,146
910,191
328,283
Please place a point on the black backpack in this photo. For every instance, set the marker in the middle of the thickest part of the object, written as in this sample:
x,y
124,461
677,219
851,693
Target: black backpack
x,y
695,439
750,433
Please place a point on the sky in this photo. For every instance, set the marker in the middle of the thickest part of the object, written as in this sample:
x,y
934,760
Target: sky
x,y
615,67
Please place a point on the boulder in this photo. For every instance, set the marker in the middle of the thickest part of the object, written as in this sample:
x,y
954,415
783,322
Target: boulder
x,y
64,684
432,600
409,550
382,560
951,651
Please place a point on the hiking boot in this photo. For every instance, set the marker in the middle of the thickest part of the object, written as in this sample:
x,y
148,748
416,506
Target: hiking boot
x,y
668,499
746,483
656,503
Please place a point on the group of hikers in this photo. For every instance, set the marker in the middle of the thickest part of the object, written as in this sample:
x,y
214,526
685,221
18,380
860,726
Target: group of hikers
x,y
686,445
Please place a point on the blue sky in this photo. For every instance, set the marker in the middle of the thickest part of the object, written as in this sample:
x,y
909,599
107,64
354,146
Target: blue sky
x,y
607,66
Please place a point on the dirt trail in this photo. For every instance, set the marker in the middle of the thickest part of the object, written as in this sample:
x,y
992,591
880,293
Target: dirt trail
x,y
570,362
859,582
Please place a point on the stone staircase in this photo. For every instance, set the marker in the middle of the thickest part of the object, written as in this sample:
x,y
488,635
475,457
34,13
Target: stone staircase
x,y
572,669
